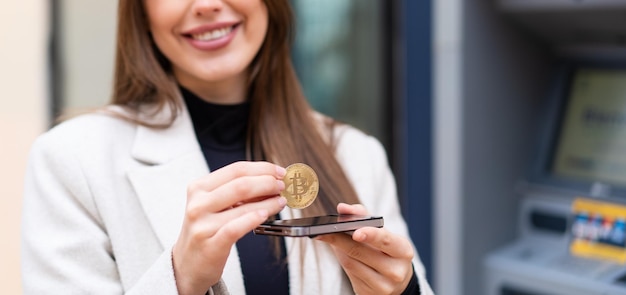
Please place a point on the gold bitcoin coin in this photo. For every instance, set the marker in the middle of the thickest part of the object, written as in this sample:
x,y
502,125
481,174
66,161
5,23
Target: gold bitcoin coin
x,y
301,186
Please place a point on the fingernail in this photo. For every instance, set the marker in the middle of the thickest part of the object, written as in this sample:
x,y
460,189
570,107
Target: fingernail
x,y
359,236
280,171
262,213
282,201
319,238
281,185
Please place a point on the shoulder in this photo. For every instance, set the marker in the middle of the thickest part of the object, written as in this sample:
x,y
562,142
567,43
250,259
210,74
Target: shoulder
x,y
361,155
364,160
88,133
349,142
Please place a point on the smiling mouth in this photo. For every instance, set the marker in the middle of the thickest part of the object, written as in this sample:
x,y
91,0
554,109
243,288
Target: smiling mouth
x,y
213,34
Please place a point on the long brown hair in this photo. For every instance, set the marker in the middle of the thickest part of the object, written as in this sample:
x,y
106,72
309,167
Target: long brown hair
x,y
281,124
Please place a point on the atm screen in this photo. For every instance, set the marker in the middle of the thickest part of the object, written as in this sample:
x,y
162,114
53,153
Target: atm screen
x,y
591,143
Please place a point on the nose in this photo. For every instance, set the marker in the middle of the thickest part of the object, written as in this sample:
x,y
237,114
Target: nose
x,y
206,7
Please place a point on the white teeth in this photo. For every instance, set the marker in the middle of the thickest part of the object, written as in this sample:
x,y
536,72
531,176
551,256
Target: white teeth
x,y
212,35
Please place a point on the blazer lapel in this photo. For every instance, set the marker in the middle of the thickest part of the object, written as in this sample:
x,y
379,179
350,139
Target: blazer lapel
x,y
170,158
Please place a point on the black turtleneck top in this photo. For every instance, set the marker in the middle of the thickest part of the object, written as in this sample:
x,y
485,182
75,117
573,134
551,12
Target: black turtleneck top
x,y
221,131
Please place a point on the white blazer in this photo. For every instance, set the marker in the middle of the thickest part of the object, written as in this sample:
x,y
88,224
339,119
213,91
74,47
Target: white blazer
x,y
104,203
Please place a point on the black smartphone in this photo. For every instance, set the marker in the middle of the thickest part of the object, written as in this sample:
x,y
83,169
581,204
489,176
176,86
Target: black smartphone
x,y
317,225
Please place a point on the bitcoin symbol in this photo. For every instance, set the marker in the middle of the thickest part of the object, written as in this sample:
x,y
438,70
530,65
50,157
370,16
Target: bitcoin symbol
x,y
299,186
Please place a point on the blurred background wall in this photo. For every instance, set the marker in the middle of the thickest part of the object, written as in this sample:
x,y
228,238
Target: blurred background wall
x,y
23,115
85,44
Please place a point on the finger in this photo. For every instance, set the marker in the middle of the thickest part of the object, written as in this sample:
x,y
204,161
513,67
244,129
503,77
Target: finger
x,y
362,259
214,222
234,193
356,209
232,231
361,276
345,244
235,170
246,189
385,241
364,278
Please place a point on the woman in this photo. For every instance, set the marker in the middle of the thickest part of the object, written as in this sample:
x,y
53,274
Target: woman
x,y
122,201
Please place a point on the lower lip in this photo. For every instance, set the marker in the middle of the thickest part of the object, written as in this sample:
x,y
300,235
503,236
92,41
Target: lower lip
x,y
213,44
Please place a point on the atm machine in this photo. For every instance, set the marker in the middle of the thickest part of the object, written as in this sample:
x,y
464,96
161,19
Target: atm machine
x,y
571,219
572,235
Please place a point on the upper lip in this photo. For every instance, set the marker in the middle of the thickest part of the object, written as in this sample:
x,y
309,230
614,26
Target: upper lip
x,y
209,27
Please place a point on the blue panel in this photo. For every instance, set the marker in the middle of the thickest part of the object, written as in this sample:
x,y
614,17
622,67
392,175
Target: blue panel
x,y
416,102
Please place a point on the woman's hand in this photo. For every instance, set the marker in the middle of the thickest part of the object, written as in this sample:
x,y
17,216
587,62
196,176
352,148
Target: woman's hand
x,y
376,260
221,208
